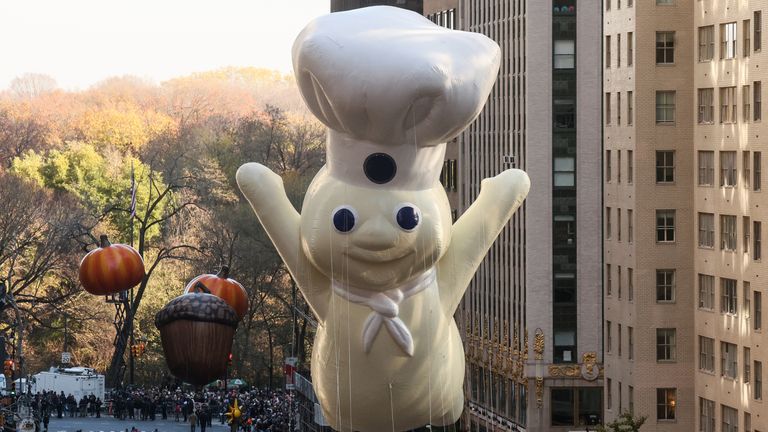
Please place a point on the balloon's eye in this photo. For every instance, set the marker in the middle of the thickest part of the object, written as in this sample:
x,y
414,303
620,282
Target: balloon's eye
x,y
344,219
408,217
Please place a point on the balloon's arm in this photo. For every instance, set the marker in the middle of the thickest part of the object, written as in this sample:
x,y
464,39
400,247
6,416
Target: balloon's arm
x,y
265,191
475,232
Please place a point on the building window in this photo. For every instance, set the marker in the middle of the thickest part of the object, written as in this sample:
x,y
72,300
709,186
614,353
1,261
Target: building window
x,y
630,226
706,230
618,54
630,161
565,172
665,47
706,415
747,174
757,234
727,104
607,5
665,226
746,34
665,403
745,98
608,109
618,162
758,383
618,278
756,171
607,52
706,168
609,393
728,297
747,365
665,285
706,292
758,313
665,166
608,165
565,54
665,2
728,232
757,88
618,117
706,43
608,337
757,18
630,284
728,40
747,422
666,345
448,174
728,168
706,105
706,354
618,333
730,419
665,107
630,52
608,223
747,298
631,343
746,229
728,360
618,235
608,275
631,397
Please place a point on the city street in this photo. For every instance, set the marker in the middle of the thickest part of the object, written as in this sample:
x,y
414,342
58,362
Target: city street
x,y
108,424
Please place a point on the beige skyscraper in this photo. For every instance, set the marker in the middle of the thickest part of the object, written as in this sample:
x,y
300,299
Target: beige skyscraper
x,y
682,217
729,207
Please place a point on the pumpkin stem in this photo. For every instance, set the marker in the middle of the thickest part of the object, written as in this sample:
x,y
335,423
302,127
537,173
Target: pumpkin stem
x,y
199,286
104,241
224,272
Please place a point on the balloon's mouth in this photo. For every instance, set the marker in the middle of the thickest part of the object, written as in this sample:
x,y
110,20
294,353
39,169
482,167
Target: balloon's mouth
x,y
378,257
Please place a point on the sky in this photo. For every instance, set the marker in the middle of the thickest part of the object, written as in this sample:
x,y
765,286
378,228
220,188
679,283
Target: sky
x,y
81,42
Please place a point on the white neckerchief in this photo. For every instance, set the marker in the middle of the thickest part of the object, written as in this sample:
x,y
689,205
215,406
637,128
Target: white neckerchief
x,y
385,306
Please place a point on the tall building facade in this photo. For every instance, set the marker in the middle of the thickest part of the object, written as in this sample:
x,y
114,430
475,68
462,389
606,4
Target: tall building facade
x,y
532,316
683,233
729,208
648,172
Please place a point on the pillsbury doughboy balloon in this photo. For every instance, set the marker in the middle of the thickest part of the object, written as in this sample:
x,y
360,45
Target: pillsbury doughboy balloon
x,y
374,250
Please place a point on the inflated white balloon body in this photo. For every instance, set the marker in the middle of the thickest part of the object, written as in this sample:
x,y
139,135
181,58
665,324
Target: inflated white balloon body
x,y
374,250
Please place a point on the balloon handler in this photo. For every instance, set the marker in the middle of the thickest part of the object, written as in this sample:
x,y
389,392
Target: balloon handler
x,y
374,250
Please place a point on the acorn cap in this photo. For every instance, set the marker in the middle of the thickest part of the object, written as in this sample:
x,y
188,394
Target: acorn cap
x,y
197,307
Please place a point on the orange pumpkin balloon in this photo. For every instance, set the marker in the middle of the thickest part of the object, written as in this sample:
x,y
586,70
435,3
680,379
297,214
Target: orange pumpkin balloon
x,y
111,268
222,286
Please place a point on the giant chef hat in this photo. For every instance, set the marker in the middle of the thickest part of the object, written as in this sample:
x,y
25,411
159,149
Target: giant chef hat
x,y
392,87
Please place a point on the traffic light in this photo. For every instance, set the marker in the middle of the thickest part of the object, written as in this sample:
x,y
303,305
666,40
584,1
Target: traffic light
x,y
8,368
229,360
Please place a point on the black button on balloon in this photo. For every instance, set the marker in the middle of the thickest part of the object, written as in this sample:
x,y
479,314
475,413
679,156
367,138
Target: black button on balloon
x,y
408,218
380,168
344,220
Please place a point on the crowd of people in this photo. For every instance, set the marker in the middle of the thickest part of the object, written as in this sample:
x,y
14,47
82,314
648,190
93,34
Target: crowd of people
x,y
261,410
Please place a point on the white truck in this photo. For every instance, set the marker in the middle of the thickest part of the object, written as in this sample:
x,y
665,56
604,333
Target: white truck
x,y
77,381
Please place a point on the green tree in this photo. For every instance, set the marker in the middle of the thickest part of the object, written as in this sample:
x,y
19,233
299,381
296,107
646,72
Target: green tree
x,y
626,422
101,180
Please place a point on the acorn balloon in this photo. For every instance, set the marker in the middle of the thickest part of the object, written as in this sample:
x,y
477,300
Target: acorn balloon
x,y
222,286
111,268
